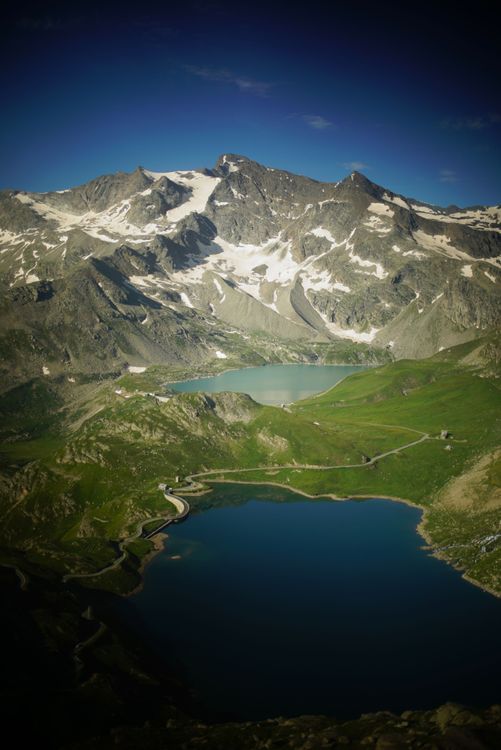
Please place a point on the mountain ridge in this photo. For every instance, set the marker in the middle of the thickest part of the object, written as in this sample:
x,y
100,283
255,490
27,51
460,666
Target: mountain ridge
x,y
261,249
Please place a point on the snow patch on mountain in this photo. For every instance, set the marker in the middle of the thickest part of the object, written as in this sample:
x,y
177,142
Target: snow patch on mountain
x,y
396,200
486,218
442,244
202,186
435,299
317,282
439,243
11,238
321,281
220,290
321,232
467,271
364,337
100,235
113,221
375,224
381,208
379,272
415,254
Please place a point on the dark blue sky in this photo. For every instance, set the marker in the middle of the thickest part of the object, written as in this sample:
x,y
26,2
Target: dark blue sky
x,y
410,96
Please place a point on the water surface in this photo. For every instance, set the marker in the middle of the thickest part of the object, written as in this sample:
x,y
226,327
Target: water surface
x,y
272,384
273,605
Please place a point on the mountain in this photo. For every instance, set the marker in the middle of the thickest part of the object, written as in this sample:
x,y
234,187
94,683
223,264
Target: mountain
x,y
148,267
204,270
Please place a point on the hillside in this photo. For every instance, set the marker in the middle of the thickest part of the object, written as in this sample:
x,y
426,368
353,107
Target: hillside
x,y
100,462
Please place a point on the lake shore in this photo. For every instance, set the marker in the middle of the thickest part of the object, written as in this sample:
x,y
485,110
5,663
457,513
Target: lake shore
x,y
271,364
316,557
158,541
420,528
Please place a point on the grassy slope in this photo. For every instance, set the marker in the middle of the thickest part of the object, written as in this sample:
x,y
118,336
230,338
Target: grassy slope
x,y
69,490
430,395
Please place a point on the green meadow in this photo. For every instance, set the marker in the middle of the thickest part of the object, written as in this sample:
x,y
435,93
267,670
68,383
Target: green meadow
x,y
74,485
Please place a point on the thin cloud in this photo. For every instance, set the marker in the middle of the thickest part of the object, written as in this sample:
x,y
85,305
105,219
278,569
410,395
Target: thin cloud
x,y
222,75
353,166
317,122
447,175
475,123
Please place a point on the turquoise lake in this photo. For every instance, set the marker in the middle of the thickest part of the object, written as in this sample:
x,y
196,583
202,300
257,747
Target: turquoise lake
x,y
272,384
268,604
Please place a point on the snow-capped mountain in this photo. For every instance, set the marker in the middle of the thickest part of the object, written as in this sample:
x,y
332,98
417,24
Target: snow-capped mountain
x,y
251,246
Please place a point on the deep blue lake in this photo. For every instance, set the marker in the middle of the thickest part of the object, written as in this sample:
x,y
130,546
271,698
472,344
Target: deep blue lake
x,y
275,605
272,384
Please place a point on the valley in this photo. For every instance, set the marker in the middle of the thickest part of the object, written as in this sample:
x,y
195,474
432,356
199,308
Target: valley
x,y
126,301
102,472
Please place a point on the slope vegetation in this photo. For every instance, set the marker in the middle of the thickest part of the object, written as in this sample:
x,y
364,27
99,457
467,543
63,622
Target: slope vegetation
x,y
72,489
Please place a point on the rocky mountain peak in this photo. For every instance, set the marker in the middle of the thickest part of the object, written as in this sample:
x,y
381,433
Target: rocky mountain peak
x,y
358,181
257,248
228,163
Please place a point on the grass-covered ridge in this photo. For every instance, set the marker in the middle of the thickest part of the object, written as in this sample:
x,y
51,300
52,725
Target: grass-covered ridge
x,y
73,489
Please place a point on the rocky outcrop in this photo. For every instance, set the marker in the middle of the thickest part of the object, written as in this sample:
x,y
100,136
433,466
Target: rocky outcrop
x,y
447,728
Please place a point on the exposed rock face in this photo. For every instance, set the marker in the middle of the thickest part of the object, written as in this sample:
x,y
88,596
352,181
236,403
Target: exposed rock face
x,y
126,257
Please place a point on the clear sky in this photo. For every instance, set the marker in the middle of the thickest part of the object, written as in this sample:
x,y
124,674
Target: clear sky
x,y
407,93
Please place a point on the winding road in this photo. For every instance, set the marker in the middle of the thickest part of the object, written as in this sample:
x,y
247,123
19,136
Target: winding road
x,y
193,485
181,506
